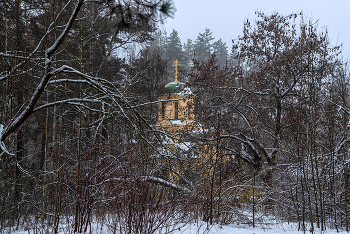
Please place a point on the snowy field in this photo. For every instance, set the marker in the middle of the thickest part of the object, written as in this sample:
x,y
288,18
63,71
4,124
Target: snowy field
x,y
243,229
203,229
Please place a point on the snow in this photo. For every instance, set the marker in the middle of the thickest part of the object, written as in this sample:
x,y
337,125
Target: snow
x,y
245,229
185,146
186,91
165,183
2,144
202,227
174,82
47,61
176,122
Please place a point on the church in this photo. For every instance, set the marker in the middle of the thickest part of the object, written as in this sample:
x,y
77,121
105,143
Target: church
x,y
184,136
176,117
176,109
195,159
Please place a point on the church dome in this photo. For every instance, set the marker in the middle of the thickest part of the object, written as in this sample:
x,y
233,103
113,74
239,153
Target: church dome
x,y
177,88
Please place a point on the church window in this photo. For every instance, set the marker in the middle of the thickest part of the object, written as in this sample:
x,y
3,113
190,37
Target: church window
x,y
189,109
163,110
176,110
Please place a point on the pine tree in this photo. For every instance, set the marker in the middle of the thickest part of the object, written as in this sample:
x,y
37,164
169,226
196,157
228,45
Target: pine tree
x,y
220,51
174,50
203,46
174,47
232,58
189,51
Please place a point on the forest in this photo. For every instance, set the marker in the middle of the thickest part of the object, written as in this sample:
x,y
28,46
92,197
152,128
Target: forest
x,y
79,88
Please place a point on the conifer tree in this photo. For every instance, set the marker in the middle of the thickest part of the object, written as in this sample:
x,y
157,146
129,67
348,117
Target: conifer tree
x,y
174,47
220,51
189,51
203,45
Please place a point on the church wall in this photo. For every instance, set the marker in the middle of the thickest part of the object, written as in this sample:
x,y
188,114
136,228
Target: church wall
x,y
185,107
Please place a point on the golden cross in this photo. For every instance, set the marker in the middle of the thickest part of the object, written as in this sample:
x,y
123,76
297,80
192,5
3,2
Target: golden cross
x,y
176,63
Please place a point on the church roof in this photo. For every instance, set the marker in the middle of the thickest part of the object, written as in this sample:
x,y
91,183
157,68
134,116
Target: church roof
x,y
177,87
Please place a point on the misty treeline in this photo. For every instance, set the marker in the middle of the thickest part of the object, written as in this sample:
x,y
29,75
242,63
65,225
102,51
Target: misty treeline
x,y
79,82
186,53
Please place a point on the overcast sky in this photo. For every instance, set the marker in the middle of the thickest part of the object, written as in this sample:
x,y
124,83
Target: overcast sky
x,y
225,18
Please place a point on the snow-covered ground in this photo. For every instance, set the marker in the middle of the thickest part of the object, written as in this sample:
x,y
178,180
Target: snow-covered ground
x,y
202,228
244,229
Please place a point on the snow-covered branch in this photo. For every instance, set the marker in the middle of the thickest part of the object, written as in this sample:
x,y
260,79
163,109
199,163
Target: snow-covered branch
x,y
256,146
67,81
165,183
72,101
18,121
3,149
63,35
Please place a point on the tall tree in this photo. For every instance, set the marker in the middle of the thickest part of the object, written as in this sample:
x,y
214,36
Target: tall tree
x,y
288,69
221,52
189,52
203,45
174,48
